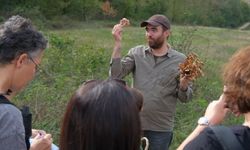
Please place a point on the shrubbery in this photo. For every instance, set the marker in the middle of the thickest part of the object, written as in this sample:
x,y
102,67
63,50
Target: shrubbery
x,y
221,13
65,66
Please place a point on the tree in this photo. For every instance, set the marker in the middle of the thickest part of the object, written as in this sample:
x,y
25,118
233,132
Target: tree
x,y
83,9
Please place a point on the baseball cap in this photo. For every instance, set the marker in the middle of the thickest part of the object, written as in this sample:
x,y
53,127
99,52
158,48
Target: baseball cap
x,y
157,20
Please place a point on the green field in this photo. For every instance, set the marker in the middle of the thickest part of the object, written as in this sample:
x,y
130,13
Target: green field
x,y
83,53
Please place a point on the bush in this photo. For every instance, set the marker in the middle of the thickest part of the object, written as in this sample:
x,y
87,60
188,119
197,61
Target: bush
x,y
64,68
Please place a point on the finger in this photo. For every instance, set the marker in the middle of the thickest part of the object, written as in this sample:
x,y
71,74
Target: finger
x,y
222,99
117,27
226,110
211,104
184,78
41,132
216,104
38,136
48,136
116,32
34,130
235,112
114,29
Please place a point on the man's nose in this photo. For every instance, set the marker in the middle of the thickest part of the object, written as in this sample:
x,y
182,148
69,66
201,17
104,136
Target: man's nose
x,y
148,34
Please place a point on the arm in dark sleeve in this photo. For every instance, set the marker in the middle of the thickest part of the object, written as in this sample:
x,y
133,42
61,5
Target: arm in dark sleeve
x,y
206,140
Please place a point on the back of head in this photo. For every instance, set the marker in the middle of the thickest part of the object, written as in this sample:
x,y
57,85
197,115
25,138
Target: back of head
x,y
18,36
237,80
101,115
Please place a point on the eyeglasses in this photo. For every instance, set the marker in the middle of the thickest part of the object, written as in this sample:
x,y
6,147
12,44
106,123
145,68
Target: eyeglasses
x,y
37,67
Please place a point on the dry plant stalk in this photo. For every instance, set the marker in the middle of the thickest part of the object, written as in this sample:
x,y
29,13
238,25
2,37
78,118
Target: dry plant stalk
x,y
191,67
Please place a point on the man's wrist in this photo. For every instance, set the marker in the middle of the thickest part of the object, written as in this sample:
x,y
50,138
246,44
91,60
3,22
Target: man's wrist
x,y
184,89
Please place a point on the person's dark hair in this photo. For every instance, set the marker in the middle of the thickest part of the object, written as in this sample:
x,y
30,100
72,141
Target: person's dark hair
x,y
237,81
101,115
18,36
138,97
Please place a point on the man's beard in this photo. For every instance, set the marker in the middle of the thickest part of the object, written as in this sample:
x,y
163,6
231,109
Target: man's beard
x,y
156,43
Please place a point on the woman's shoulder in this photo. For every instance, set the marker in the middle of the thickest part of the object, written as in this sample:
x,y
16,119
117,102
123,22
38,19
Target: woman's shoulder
x,y
241,131
12,129
240,128
11,121
9,111
208,140
243,134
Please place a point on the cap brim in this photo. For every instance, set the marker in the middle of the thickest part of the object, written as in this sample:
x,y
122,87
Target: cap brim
x,y
153,23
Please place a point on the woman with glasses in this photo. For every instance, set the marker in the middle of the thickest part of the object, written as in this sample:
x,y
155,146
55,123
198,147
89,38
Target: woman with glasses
x,y
21,50
101,115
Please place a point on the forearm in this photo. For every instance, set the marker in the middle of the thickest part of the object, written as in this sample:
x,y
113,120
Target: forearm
x,y
117,50
214,115
115,69
194,134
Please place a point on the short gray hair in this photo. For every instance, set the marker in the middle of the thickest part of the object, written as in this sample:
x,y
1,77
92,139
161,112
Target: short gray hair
x,y
18,36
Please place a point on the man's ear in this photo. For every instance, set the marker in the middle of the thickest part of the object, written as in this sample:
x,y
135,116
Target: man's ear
x,y
167,33
21,60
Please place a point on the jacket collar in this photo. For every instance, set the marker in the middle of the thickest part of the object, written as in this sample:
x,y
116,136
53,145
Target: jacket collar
x,y
169,54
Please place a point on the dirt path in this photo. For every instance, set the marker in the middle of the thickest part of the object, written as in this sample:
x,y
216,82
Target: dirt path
x,y
244,26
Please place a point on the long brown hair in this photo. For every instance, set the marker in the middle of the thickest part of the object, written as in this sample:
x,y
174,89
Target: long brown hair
x,y
101,115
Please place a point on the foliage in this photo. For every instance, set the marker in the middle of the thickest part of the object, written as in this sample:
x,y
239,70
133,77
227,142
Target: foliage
x,y
146,8
182,41
108,10
64,68
221,13
83,9
245,11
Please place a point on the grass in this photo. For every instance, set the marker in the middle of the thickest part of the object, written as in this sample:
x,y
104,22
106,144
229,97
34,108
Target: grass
x,y
81,53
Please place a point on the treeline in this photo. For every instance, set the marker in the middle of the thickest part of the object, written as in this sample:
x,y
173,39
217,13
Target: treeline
x,y
221,13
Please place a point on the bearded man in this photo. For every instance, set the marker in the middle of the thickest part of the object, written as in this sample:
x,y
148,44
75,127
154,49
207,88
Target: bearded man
x,y
155,70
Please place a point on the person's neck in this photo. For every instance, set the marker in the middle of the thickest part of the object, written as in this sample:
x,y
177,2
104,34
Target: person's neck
x,y
5,81
161,51
247,119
